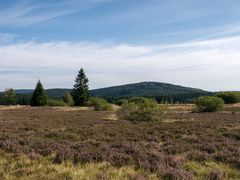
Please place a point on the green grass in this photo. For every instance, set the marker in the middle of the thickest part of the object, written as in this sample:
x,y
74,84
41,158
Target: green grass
x,y
21,167
206,170
15,167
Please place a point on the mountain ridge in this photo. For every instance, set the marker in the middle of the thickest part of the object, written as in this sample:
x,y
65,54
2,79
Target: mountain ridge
x,y
146,88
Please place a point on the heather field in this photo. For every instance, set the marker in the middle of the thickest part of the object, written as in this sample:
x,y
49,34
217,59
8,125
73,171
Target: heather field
x,y
79,143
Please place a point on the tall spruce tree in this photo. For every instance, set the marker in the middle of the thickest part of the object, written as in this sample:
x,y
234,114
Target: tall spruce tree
x,y
80,92
39,97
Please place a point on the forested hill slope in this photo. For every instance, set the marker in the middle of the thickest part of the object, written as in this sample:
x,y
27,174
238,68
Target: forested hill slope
x,y
52,93
144,89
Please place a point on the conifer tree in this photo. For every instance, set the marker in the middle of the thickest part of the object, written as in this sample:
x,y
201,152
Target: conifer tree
x,y
67,98
39,97
10,97
80,92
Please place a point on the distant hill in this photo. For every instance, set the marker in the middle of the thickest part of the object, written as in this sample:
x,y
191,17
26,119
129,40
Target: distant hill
x,y
144,89
24,91
53,93
128,90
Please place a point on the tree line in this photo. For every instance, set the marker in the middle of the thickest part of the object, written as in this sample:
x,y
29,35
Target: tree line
x,y
79,95
182,98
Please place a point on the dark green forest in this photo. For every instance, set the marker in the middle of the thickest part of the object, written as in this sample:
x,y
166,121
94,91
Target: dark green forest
x,y
144,89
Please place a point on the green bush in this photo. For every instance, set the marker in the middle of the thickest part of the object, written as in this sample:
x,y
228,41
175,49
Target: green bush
x,y
209,104
99,104
56,103
67,98
120,102
229,97
141,109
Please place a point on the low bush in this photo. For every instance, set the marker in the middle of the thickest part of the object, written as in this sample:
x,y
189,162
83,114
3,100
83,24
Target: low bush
x,y
229,97
56,103
120,102
209,104
141,109
67,98
99,104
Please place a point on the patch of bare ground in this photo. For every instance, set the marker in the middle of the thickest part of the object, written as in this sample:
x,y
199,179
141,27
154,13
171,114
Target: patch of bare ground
x,y
69,109
2,108
111,117
82,136
180,108
115,107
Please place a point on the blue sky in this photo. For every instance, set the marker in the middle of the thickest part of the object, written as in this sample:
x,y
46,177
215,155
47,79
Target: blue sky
x,y
120,41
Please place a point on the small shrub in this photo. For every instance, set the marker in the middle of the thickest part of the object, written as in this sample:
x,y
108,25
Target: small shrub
x,y
120,102
67,98
141,109
176,174
56,103
198,156
229,97
99,104
209,104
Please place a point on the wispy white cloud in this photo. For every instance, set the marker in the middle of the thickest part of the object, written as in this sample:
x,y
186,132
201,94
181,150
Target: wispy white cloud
x,y
225,31
7,37
27,12
208,64
159,13
176,21
204,33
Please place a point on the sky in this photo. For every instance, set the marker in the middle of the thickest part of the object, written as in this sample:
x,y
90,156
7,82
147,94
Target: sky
x,y
194,43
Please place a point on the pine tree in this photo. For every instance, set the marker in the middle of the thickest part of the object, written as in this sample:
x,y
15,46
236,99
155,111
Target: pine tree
x,y
80,92
39,97
10,97
67,98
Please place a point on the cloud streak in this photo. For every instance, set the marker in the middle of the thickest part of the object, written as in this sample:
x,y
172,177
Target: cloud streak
x,y
209,64
28,13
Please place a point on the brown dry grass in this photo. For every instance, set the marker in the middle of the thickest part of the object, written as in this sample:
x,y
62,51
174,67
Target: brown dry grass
x,y
180,108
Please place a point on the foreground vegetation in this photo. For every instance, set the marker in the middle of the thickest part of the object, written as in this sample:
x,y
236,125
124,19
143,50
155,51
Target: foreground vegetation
x,y
24,167
65,143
